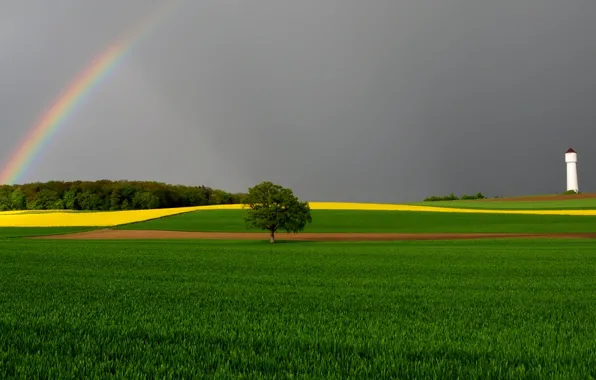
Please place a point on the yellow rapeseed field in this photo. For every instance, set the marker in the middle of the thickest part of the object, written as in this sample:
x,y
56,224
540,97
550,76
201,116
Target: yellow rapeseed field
x,y
12,212
114,218
398,207
91,219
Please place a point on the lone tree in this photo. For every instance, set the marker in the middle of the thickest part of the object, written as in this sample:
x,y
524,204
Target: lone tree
x,y
273,208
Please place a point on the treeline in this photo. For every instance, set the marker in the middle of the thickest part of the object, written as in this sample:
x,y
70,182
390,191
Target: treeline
x,y
109,196
453,197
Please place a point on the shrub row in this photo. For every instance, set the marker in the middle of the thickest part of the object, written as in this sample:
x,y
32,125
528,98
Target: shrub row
x,y
453,197
109,195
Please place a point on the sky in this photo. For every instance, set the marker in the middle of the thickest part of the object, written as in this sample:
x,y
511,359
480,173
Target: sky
x,y
340,100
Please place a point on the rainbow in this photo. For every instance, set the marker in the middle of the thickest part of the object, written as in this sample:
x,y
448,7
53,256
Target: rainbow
x,y
82,85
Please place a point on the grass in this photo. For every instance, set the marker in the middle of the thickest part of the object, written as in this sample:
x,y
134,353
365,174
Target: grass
x,y
380,221
473,309
16,232
567,204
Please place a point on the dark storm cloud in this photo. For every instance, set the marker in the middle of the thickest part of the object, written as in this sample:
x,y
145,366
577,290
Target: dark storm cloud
x,y
380,100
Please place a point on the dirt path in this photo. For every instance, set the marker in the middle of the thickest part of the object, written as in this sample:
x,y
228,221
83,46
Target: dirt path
x,y
150,234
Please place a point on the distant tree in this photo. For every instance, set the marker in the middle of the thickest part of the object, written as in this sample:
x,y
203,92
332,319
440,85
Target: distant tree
x,y
237,198
219,197
45,199
5,197
115,200
58,205
195,197
273,207
70,199
145,200
5,202
109,195
18,200
89,200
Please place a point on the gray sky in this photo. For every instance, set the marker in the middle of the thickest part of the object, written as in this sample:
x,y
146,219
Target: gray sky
x,y
347,100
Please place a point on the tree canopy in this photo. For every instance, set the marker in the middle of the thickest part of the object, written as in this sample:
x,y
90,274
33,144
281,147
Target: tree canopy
x,y
107,195
273,208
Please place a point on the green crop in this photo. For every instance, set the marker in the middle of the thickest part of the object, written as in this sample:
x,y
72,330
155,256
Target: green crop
x,y
504,309
12,232
564,204
381,221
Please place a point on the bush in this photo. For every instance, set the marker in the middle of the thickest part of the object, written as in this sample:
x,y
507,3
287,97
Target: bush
x,y
569,192
472,197
452,197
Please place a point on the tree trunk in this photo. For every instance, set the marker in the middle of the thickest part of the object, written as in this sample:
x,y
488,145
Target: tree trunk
x,y
272,237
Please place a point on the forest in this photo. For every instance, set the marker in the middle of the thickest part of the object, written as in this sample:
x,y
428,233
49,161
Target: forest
x,y
108,195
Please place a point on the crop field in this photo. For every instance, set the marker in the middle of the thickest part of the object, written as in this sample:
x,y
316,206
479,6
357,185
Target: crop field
x,y
16,232
68,218
474,310
567,204
83,219
381,221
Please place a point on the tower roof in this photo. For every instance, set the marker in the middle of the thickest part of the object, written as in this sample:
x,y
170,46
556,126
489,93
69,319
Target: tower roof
x,y
571,150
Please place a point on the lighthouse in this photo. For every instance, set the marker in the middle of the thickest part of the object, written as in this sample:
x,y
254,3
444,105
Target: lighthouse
x,y
571,160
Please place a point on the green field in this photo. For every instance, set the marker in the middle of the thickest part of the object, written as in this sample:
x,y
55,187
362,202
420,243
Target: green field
x,y
566,204
381,221
16,232
483,309
474,309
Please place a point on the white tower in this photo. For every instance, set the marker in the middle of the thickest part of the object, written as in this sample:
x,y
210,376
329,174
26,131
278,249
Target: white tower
x,y
571,160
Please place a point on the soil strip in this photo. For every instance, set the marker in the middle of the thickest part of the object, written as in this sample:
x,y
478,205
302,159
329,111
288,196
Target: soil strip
x,y
153,234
